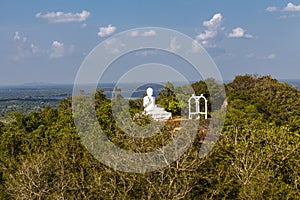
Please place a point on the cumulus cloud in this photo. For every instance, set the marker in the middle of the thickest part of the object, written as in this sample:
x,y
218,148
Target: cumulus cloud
x,y
58,50
288,16
291,7
195,46
215,32
106,31
214,22
61,17
24,48
207,35
250,55
34,49
271,56
239,33
214,29
271,9
134,34
114,45
17,36
147,52
174,45
84,25
149,33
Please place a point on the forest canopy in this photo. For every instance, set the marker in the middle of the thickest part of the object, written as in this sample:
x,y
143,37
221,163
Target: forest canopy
x,y
256,156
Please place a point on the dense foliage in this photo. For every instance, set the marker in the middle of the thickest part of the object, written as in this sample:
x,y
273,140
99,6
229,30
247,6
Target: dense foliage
x,y
256,157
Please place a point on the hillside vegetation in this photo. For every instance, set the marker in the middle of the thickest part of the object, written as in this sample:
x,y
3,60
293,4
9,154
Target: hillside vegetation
x,y
256,156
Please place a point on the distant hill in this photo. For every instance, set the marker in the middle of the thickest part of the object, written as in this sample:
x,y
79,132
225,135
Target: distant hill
x,y
294,82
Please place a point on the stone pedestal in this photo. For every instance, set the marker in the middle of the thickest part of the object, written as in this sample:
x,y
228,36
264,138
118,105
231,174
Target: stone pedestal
x,y
158,113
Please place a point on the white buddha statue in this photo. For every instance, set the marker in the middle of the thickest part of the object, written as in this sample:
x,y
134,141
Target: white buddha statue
x,y
152,109
149,100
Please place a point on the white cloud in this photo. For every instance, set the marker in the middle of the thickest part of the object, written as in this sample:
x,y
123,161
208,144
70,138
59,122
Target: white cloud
x,y
146,52
174,45
106,31
271,56
215,32
24,40
58,50
271,9
34,49
289,16
114,45
208,44
17,36
214,29
291,7
61,17
288,10
207,35
214,22
239,33
134,34
149,33
195,46
71,49
24,48
110,42
83,26
250,55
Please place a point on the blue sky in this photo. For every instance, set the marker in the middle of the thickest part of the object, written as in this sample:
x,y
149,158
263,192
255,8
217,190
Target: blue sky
x,y
46,41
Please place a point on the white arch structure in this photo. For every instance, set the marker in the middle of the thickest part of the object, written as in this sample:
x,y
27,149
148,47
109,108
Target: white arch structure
x,y
198,109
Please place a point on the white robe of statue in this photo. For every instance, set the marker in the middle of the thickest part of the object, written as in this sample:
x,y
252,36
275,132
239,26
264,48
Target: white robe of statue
x,y
149,100
151,109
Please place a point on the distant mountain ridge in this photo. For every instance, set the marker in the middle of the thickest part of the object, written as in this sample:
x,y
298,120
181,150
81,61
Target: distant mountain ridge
x,y
294,82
